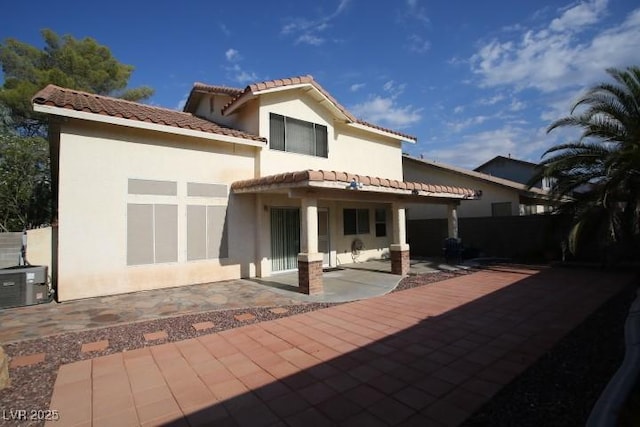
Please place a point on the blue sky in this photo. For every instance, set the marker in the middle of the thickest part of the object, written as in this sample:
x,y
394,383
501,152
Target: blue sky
x,y
471,80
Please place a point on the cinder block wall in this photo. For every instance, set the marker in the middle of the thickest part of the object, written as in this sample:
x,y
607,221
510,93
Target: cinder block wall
x,y
530,237
10,245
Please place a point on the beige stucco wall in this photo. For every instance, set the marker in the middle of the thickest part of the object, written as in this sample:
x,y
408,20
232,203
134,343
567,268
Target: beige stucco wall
x,y
339,244
491,193
374,247
350,150
96,163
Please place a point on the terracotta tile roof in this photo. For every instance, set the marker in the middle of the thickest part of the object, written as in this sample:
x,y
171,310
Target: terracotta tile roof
x,y
395,132
226,90
251,89
199,89
345,177
97,104
301,80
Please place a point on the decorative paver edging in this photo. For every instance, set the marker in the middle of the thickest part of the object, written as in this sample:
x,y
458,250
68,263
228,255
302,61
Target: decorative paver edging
x,y
606,411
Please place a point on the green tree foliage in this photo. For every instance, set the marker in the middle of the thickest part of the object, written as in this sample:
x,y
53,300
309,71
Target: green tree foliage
x,y
64,61
600,170
25,184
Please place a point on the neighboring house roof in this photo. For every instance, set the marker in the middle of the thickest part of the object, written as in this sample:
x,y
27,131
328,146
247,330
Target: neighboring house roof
x,y
481,176
56,96
241,96
509,159
342,181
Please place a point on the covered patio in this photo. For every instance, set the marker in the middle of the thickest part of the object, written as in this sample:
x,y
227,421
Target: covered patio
x,y
309,190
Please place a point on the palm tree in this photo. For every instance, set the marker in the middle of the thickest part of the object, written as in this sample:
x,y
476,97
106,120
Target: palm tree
x,y
600,170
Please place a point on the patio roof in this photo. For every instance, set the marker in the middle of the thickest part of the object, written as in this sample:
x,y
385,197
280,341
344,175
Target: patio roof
x,y
300,183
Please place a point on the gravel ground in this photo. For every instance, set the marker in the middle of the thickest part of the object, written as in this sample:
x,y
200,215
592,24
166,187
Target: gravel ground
x,y
539,395
561,388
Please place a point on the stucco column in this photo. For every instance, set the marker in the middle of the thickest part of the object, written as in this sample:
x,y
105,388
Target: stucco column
x,y
399,249
452,220
309,226
263,227
309,260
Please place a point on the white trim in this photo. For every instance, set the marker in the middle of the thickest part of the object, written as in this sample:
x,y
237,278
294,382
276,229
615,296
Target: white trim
x,y
333,107
338,185
381,132
281,88
83,115
380,189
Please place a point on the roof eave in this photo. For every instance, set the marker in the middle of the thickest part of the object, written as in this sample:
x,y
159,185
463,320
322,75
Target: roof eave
x,y
512,185
341,186
250,94
237,103
119,121
382,132
187,105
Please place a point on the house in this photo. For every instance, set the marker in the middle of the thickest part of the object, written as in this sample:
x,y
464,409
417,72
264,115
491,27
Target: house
x,y
514,170
249,182
500,196
497,224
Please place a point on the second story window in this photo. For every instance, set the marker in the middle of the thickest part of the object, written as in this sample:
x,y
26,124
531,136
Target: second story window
x,y
297,136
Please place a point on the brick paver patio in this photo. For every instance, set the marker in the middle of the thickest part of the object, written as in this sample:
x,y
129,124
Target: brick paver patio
x,y
425,356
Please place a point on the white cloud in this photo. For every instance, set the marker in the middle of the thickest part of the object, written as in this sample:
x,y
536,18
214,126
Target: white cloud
x,y
356,87
310,39
561,55
385,111
394,89
558,107
224,29
232,55
417,44
459,109
473,152
477,148
516,105
460,125
583,14
491,101
234,71
306,31
240,75
416,11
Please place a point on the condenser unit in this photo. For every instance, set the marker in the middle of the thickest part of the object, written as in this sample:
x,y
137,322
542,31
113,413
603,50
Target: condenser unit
x,y
23,285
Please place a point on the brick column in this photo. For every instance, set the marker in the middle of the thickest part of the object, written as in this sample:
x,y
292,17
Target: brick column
x,y
399,259
310,273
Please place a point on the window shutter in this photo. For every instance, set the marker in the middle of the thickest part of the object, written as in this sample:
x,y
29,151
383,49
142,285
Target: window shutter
x,y
276,132
321,141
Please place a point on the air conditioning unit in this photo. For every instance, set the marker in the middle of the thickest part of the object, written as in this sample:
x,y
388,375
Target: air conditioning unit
x,y
23,285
